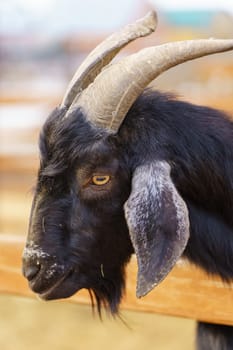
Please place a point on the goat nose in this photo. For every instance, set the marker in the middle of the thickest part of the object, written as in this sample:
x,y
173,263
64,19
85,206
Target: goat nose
x,y
30,271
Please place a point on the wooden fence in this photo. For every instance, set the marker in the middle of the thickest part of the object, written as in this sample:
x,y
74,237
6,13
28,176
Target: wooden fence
x,y
186,292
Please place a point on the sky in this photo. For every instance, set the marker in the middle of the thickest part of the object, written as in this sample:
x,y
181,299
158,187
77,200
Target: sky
x,y
196,4
56,16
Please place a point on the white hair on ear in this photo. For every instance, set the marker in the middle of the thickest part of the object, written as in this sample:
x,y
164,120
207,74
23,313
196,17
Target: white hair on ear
x,y
158,223
150,181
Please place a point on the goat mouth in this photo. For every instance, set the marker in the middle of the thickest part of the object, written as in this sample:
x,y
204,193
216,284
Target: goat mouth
x,y
62,287
48,293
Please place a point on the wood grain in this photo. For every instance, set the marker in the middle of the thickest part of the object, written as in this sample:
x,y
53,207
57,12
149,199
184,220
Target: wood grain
x,y
186,292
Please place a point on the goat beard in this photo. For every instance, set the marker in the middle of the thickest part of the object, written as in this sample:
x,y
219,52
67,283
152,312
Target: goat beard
x,y
108,293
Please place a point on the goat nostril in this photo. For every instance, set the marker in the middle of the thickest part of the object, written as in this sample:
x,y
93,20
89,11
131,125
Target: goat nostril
x,y
31,271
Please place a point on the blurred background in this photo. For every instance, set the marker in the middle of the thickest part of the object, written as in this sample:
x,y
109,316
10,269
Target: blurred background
x,y
41,45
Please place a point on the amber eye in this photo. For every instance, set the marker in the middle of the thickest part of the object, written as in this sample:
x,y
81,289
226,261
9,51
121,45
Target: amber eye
x,y
100,180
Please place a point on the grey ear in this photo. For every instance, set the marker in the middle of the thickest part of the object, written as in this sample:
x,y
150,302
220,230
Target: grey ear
x,y
158,223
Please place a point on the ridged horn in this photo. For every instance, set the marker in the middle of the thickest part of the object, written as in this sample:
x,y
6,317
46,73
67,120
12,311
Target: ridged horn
x,y
107,100
105,52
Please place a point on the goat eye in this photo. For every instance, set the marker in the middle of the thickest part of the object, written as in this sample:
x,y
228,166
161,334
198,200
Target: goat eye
x,y
100,180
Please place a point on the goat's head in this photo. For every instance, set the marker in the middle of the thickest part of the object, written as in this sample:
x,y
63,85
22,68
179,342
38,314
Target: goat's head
x,y
93,205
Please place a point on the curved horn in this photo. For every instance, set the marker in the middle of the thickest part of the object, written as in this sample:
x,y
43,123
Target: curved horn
x,y
105,52
108,99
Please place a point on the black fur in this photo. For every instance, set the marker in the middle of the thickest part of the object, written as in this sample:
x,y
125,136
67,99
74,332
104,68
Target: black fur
x,y
213,336
83,229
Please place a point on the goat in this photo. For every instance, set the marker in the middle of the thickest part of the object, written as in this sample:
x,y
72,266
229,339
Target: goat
x,y
127,170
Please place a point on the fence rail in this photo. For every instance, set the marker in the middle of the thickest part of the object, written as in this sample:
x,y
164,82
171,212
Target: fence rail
x,y
186,292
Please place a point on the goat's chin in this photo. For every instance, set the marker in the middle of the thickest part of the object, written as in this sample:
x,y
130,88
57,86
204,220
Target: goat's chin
x,y
64,289
104,293
99,298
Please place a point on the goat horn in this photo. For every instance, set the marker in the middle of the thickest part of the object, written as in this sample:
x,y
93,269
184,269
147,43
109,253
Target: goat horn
x,y
107,100
105,52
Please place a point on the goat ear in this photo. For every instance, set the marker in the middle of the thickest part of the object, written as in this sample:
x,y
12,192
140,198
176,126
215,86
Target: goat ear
x,y
158,223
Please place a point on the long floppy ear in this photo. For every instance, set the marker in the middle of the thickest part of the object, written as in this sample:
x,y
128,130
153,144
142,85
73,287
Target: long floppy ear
x,y
158,223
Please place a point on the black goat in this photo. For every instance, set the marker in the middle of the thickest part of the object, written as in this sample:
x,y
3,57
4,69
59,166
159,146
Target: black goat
x,y
126,171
